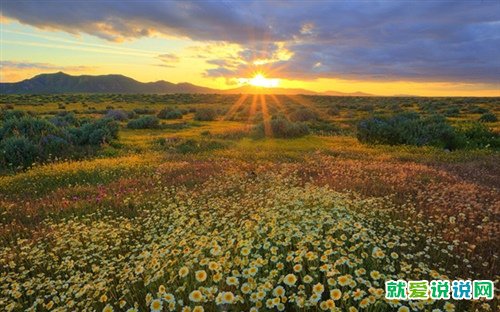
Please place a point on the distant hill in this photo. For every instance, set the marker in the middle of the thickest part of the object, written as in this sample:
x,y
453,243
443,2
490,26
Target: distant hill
x,y
64,83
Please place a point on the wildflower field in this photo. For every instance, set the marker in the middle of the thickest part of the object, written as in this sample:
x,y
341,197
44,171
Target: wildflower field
x,y
246,203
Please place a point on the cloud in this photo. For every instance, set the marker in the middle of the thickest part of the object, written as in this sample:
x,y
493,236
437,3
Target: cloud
x,y
14,70
362,40
168,60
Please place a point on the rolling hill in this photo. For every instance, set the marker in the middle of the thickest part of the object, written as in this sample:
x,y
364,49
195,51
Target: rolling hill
x,y
63,83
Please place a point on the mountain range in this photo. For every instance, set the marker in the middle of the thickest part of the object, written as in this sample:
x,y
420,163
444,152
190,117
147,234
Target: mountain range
x,y
63,83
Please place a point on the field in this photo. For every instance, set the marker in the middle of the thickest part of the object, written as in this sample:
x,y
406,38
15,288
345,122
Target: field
x,y
223,206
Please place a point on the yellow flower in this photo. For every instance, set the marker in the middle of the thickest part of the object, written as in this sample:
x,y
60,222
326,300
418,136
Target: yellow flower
x,y
156,305
103,298
290,279
335,294
318,288
279,291
183,272
375,275
245,251
201,275
213,266
403,309
196,296
449,307
232,281
108,308
344,280
198,309
227,297
297,267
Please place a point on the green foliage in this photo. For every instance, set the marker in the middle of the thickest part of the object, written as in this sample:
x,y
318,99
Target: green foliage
x,y
144,122
205,114
144,111
10,114
333,111
28,127
324,128
452,112
477,135
95,133
282,128
17,152
117,114
26,140
412,129
488,117
189,146
170,113
303,114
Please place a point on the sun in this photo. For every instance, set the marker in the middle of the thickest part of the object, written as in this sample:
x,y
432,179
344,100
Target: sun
x,y
259,80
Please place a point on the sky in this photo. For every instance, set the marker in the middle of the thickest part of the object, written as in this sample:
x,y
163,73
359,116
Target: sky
x,y
426,47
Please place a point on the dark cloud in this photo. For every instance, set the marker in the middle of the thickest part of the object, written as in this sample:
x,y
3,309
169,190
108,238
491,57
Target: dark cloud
x,y
381,40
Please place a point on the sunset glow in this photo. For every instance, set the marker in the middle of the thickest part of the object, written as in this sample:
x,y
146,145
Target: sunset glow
x,y
307,46
259,80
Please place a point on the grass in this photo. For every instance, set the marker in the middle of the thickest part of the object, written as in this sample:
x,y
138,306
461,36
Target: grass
x,y
219,219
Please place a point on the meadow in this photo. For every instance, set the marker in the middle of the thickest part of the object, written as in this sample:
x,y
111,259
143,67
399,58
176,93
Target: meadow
x,y
244,202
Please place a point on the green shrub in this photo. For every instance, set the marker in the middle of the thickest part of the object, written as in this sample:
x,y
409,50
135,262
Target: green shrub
x,y
282,128
28,127
10,114
117,114
324,128
189,146
17,152
170,113
143,111
95,132
409,129
477,135
452,112
52,145
333,111
65,120
303,114
29,139
488,117
144,122
205,114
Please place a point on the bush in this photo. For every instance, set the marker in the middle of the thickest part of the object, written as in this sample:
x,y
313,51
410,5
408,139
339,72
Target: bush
x,y
303,114
95,133
282,128
170,113
478,110
29,139
116,114
478,135
409,129
190,146
64,120
324,128
205,114
452,112
17,152
144,111
333,111
144,122
28,127
488,117
52,145
10,114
